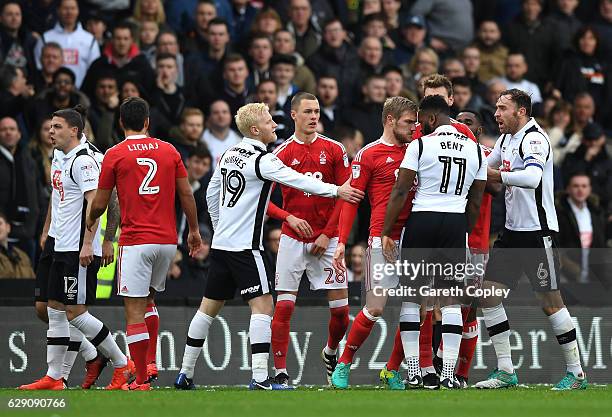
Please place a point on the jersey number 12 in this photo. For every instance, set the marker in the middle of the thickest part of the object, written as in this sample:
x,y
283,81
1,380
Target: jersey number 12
x,y
446,173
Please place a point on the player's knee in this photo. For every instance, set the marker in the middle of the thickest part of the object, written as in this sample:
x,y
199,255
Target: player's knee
x,y
73,312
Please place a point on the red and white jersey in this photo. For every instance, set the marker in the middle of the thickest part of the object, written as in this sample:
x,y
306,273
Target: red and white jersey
x,y
375,171
478,240
324,159
144,170
462,128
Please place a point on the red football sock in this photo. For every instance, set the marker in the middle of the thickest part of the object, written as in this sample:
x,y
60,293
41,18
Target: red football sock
x,y
152,321
338,322
425,349
468,346
397,354
138,341
360,330
280,329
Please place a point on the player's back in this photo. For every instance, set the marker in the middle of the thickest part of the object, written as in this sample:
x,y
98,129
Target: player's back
x,y
447,163
145,171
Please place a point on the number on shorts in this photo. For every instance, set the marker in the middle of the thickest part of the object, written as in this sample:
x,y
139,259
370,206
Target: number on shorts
x,y
144,186
69,288
234,184
339,278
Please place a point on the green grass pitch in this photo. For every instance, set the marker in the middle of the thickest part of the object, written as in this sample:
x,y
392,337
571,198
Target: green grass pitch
x,y
321,402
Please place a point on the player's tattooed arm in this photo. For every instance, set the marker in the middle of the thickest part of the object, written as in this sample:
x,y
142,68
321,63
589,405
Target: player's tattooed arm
x,y
113,218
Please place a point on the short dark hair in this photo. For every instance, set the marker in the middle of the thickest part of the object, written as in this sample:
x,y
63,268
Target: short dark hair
x,y
578,174
282,59
124,25
392,68
462,82
218,21
231,58
330,21
4,217
297,99
66,71
266,80
434,104
133,112
74,117
199,151
8,73
520,98
476,114
164,55
373,17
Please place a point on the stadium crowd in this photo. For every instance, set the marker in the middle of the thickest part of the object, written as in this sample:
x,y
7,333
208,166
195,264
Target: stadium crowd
x,y
197,61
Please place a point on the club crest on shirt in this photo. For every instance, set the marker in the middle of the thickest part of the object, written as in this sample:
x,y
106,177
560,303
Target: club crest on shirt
x,y
322,158
356,171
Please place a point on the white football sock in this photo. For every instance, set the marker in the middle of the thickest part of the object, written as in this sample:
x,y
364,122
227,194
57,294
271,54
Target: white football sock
x,y
409,323
452,327
99,335
196,335
260,336
564,329
58,338
499,331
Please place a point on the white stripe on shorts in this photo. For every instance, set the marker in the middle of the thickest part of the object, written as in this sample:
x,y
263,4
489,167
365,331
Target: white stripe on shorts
x,y
551,262
82,285
261,268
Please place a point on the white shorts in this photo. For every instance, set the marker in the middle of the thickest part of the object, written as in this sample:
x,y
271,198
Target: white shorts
x,y
294,259
375,261
140,267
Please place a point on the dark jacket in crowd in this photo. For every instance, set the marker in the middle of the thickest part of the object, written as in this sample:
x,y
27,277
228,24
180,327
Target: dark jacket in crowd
x,y
365,117
18,51
565,27
342,64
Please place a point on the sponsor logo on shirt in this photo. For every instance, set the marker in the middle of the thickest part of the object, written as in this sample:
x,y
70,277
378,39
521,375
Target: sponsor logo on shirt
x,y
356,171
71,56
57,183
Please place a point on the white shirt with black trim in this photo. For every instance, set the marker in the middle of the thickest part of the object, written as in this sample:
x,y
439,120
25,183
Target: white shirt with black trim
x,y
446,162
528,207
68,207
239,192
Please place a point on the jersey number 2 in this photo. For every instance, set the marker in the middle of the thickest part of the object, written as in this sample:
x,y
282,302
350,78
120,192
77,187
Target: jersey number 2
x,y
448,161
144,186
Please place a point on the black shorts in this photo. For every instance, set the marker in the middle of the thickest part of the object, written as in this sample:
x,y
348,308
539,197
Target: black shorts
x,y
43,270
438,241
69,282
245,271
532,253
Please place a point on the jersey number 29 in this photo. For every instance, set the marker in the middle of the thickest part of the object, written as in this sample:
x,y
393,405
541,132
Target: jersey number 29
x,y
446,173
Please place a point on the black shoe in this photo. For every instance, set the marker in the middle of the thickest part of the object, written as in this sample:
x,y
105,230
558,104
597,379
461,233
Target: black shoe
x,y
330,362
281,379
463,381
184,383
449,384
431,381
437,364
413,382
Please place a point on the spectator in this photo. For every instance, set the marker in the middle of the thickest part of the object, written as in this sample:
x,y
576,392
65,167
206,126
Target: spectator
x,y
19,188
582,227
260,53
267,22
14,263
603,26
148,35
283,73
187,135
584,112
355,263
425,62
149,11
471,62
327,94
351,139
371,7
516,69
180,13
493,53
62,95
372,56
394,83
463,96
167,43
451,25
80,48
16,42
338,58
305,27
284,44
235,90
592,158
122,57
562,141
131,88
391,12
564,21
101,114
453,68
412,38
168,96
41,150
494,89
96,25
267,92
195,41
243,16
365,114
218,135
529,35
14,91
374,25
51,60
583,69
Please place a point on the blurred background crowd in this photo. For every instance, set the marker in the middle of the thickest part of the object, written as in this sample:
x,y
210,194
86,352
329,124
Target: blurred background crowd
x,y
197,61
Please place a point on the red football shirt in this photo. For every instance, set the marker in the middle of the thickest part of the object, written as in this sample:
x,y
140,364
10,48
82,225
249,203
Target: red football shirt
x,y
375,171
478,240
144,170
324,159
